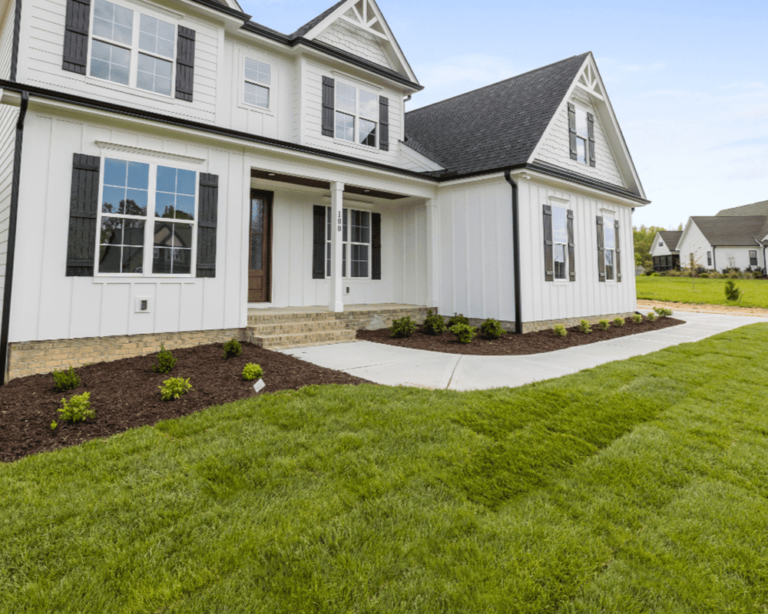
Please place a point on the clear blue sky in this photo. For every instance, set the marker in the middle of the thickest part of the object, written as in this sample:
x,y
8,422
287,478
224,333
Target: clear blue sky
x,y
688,79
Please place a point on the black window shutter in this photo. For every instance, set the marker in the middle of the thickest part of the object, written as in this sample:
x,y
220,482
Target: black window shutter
x,y
591,128
600,249
76,35
207,217
618,250
571,248
375,245
572,130
83,206
384,123
318,244
185,64
549,260
329,100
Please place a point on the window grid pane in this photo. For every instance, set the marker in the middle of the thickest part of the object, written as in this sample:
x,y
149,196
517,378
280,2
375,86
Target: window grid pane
x,y
110,62
369,105
175,196
126,187
121,245
113,22
154,74
256,95
172,249
156,36
559,261
346,98
609,264
345,126
367,133
258,72
581,150
609,233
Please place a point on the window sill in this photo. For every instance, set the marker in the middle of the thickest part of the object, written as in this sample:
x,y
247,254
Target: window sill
x,y
111,279
256,109
128,89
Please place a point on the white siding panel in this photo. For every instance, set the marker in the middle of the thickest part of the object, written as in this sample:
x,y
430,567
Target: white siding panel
x,y
348,37
8,117
555,148
694,242
6,41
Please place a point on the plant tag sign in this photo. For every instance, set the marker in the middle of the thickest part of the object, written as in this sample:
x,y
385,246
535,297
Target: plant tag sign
x,y
259,386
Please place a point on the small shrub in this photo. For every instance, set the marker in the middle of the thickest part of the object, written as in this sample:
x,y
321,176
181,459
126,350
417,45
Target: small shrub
x,y
732,292
560,330
434,324
585,327
704,275
165,361
54,425
651,316
655,274
232,349
619,322
174,387
491,329
457,319
77,409
464,332
637,318
65,380
603,324
662,312
252,371
404,327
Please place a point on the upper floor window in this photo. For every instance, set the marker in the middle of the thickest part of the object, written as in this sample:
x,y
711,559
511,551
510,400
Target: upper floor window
x,y
132,48
356,115
582,135
258,78
610,247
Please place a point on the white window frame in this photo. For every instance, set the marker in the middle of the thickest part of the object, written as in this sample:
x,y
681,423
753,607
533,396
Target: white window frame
x,y
268,87
133,67
357,117
347,244
585,139
149,220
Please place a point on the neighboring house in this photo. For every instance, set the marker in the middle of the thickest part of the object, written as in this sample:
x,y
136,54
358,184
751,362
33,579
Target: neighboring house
x,y
172,168
725,242
664,250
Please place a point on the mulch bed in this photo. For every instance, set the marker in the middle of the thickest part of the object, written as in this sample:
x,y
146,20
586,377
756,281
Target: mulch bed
x,y
511,344
125,394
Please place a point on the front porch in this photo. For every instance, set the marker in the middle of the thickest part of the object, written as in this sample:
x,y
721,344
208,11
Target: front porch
x,y
291,327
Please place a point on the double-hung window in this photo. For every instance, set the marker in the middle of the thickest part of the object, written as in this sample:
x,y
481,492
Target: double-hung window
x,y
753,257
132,48
356,242
146,219
357,114
560,241
258,78
709,258
610,248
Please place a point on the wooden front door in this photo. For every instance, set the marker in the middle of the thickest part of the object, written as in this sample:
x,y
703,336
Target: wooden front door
x,y
260,248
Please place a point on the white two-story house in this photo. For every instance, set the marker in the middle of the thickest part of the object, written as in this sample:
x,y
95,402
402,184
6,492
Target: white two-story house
x,y
170,168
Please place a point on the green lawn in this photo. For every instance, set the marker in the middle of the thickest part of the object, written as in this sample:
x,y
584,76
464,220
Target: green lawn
x,y
639,486
709,291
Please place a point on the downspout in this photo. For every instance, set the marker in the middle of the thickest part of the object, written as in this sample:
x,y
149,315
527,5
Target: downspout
x,y
9,257
714,257
15,44
516,252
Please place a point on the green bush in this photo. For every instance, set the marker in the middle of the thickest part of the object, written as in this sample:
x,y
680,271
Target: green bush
x,y
619,322
464,332
603,324
662,312
434,324
655,274
732,292
77,409
165,361
457,319
585,327
65,380
252,371
54,425
704,275
232,349
174,387
491,329
651,316
637,318
560,330
404,327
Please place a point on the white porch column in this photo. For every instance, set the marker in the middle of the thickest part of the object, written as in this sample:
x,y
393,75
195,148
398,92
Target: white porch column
x,y
336,304
433,258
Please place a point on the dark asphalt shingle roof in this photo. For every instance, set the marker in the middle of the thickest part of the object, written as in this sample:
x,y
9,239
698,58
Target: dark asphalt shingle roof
x,y
760,208
495,126
312,23
671,238
735,230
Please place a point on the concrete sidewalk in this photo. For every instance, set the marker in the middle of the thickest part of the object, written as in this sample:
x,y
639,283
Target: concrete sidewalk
x,y
390,365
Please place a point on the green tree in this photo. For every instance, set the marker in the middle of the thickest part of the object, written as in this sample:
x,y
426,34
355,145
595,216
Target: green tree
x,y
643,238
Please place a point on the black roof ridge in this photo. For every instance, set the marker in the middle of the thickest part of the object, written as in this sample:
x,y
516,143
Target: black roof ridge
x,y
477,89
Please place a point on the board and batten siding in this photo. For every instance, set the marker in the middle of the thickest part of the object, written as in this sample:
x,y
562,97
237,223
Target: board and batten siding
x,y
8,118
49,305
403,265
555,147
312,117
586,297
6,40
41,63
476,250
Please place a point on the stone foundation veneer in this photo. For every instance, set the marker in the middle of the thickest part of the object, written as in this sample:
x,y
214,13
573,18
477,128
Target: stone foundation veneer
x,y
532,327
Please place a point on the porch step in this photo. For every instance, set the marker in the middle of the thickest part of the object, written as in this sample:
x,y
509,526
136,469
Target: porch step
x,y
291,340
291,326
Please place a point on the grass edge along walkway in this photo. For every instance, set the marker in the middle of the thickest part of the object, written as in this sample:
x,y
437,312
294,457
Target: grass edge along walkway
x,y
637,486
702,291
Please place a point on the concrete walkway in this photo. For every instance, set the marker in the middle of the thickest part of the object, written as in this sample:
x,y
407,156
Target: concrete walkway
x,y
390,365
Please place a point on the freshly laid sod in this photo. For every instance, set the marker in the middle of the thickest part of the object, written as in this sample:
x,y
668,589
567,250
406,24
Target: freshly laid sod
x,y
638,486
705,291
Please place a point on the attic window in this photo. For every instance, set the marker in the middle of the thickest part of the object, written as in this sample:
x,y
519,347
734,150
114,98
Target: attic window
x,y
661,243
582,136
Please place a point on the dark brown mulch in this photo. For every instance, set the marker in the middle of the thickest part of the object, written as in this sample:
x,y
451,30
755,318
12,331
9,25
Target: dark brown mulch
x,y
125,395
508,345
